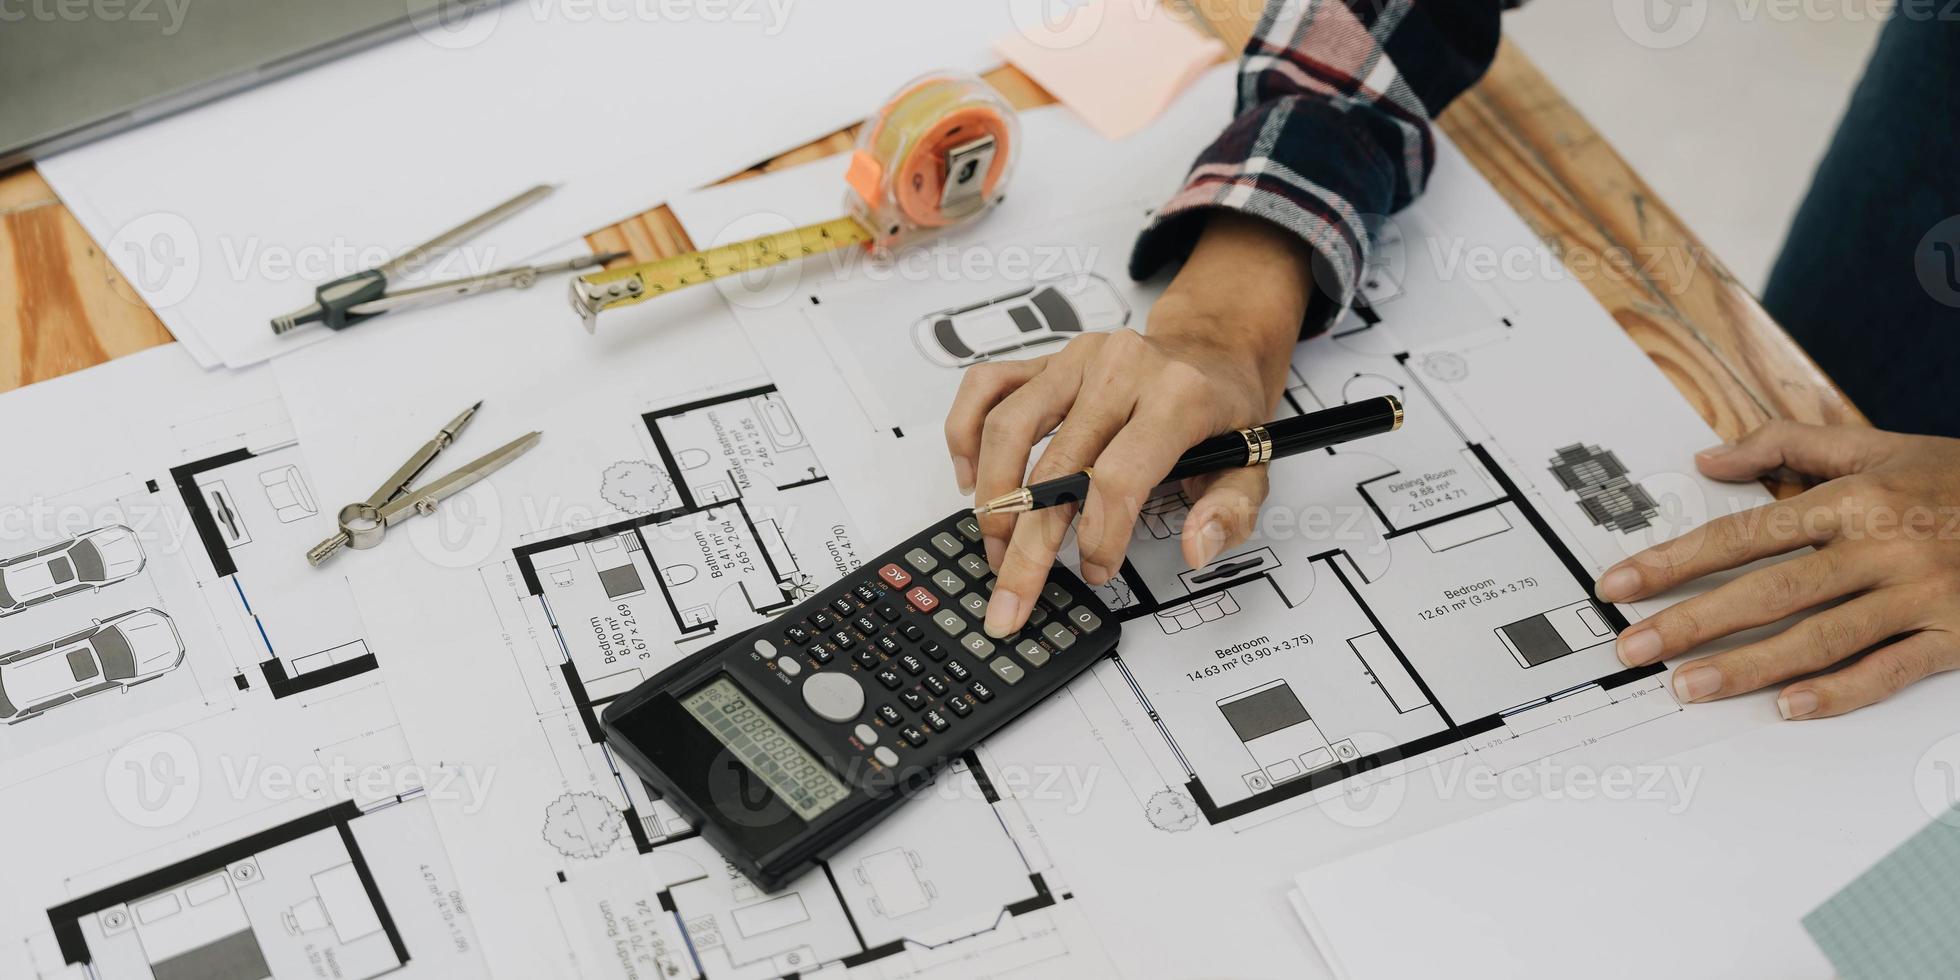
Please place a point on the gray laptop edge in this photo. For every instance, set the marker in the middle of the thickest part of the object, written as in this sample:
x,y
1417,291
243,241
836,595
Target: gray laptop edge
x,y
77,70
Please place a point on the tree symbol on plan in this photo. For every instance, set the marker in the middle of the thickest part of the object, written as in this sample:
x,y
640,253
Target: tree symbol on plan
x,y
582,825
1170,810
637,487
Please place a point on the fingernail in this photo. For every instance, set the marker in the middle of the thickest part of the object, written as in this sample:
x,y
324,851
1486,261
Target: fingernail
x,y
1211,540
1797,704
963,474
1714,452
1003,613
1695,682
996,550
1618,584
1639,646
1094,574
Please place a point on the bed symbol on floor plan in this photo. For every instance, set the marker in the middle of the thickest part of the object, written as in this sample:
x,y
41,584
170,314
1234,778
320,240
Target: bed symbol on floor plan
x,y
1277,732
1555,633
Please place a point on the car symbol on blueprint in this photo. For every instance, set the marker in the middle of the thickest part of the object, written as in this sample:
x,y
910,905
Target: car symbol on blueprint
x,y
115,654
89,560
1050,311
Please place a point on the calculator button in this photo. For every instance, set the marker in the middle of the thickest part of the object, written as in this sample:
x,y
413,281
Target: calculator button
x,y
885,755
822,620
982,691
960,705
834,696
957,671
866,658
937,685
844,607
865,625
890,715
977,645
911,631
895,576
949,621
765,648
890,645
887,677
947,544
914,735
912,664
1007,670
1034,653
888,612
974,566
975,605
866,594
844,639
1058,635
820,653
969,528
932,649
866,734
796,636
920,560
948,581
1085,619
1056,595
937,720
922,599
913,699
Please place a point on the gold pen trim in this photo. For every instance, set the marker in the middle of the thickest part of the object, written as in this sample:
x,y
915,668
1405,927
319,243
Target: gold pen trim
x,y
1258,445
1014,501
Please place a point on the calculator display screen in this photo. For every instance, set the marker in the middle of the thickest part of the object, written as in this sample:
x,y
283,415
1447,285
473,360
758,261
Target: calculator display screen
x,y
796,776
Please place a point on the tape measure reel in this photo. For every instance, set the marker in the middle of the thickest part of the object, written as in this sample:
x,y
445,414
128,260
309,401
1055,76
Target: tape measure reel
x,y
936,156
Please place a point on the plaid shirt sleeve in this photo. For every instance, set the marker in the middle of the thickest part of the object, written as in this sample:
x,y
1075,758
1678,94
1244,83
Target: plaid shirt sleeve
x,y
1333,129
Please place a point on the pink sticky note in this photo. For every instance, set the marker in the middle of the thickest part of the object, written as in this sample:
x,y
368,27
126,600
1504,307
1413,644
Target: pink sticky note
x,y
1116,63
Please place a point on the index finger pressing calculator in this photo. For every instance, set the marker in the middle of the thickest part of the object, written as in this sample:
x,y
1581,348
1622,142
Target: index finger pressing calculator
x,y
785,743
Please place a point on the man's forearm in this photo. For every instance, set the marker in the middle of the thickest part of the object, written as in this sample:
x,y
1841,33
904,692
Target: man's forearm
x,y
1246,286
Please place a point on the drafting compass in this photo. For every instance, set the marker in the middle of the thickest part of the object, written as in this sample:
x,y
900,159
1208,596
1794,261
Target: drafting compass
x,y
363,524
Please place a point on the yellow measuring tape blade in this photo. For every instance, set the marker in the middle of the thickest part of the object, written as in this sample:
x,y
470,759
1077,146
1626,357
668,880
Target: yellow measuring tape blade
x,y
639,283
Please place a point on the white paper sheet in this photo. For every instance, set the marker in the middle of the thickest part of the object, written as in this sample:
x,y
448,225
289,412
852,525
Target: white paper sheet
x,y
1710,884
543,618
227,215
1123,802
208,807
1445,546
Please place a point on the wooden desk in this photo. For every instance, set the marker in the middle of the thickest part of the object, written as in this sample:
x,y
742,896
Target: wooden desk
x,y
63,307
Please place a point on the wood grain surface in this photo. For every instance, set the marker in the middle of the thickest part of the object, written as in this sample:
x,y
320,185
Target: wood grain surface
x,y
63,307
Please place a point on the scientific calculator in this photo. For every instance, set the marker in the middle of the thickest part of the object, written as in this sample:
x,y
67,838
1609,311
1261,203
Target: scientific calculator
x,y
786,742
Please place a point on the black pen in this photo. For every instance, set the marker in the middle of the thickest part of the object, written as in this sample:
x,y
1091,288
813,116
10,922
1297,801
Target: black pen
x,y
1256,446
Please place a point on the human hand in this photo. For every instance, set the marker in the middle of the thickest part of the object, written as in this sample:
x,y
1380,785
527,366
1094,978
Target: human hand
x,y
1128,405
1886,528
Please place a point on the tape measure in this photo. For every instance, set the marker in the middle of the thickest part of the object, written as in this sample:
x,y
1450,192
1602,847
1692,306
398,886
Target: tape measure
x,y
937,155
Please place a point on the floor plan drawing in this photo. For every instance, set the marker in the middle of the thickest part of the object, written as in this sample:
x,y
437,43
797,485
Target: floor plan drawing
x,y
755,524
254,513
160,670
1429,599
292,900
1409,601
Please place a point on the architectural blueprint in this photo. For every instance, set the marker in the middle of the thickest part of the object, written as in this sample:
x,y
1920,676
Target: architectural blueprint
x,y
203,774
677,495
1413,601
394,762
